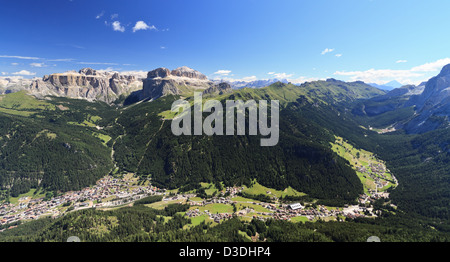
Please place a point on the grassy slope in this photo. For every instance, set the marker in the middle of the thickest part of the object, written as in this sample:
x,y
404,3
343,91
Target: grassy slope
x,y
361,157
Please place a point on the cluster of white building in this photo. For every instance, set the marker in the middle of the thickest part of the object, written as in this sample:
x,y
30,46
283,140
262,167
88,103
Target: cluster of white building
x,y
117,191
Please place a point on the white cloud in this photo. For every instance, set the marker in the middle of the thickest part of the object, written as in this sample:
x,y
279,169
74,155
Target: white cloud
x,y
78,46
381,76
338,55
298,80
114,16
327,50
96,63
20,57
117,27
303,79
4,73
280,75
109,69
100,15
229,79
141,25
61,60
139,74
13,78
36,58
433,66
24,73
37,65
223,72
163,47
401,61
414,75
249,78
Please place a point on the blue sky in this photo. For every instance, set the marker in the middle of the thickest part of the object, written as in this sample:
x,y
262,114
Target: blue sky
x,y
369,40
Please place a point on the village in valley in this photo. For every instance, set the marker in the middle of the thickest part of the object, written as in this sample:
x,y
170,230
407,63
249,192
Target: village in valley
x,y
218,205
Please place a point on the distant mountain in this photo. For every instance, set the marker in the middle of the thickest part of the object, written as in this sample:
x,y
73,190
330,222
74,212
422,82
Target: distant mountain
x,y
218,89
252,84
13,84
428,104
388,86
432,105
87,84
181,81
334,91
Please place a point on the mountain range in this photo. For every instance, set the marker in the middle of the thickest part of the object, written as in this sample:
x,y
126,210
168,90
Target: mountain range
x,y
13,84
142,142
252,84
120,124
429,100
387,86
429,105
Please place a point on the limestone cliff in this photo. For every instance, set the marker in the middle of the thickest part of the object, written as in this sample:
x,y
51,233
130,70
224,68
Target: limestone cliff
x,y
162,81
87,84
219,89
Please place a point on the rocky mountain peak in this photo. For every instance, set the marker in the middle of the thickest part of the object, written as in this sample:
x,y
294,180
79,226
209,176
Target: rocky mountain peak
x,y
445,71
162,81
159,72
185,71
219,89
87,84
437,88
88,71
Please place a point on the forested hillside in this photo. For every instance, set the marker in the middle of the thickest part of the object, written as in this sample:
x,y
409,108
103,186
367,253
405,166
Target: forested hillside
x,y
53,145
302,159
63,144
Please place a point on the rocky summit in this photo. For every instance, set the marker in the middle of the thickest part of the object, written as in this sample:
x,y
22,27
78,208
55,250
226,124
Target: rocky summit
x,y
13,84
87,84
219,89
183,80
432,105
162,81
429,102
99,85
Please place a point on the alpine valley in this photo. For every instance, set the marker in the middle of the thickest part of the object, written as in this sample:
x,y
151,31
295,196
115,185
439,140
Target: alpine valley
x,y
91,153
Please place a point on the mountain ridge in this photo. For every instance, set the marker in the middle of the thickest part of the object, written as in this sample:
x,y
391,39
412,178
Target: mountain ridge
x,y
86,84
430,101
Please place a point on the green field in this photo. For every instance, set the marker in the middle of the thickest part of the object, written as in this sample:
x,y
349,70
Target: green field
x,y
32,193
299,219
361,158
196,199
105,138
84,123
195,221
162,204
166,218
256,208
22,104
215,208
258,189
210,188
243,199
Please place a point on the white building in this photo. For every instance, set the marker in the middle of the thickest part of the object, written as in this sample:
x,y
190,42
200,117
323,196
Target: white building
x,y
296,206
